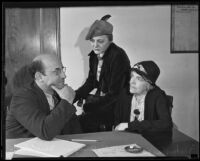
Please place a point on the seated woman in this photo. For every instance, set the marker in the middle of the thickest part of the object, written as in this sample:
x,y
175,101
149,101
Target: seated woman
x,y
146,109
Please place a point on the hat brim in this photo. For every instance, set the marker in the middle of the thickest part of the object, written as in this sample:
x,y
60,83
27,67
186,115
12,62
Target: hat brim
x,y
142,74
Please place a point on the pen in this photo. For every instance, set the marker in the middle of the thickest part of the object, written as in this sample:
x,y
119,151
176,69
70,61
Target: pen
x,y
83,140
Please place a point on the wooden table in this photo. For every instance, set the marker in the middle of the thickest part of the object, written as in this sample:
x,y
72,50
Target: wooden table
x,y
176,145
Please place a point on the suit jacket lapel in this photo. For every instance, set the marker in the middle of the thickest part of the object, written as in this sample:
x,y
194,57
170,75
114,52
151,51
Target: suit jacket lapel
x,y
106,60
94,66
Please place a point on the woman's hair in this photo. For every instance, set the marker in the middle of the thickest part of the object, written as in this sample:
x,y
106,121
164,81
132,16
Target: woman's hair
x,y
110,37
149,86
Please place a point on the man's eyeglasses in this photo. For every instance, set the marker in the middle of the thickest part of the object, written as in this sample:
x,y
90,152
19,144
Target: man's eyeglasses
x,y
58,71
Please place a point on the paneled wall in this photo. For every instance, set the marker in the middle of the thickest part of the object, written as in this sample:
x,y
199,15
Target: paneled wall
x,y
28,33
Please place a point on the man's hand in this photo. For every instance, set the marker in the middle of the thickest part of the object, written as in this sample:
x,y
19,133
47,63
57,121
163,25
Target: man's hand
x,y
121,126
66,93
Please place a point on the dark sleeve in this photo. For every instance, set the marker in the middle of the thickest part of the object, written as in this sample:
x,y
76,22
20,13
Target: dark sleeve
x,y
120,67
121,111
88,86
74,127
160,121
36,120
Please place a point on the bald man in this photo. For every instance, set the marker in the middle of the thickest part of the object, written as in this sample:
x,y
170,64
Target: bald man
x,y
42,107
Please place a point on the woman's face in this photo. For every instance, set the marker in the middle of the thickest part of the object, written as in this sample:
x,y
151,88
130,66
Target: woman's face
x,y
137,84
100,44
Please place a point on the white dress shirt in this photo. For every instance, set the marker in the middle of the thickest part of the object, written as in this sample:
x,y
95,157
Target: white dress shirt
x,y
99,66
50,101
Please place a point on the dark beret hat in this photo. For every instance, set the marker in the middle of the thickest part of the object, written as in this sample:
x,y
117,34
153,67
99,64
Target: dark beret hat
x,y
100,27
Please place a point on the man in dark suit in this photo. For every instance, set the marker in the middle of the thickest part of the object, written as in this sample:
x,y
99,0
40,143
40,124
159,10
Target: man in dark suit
x,y
108,76
41,105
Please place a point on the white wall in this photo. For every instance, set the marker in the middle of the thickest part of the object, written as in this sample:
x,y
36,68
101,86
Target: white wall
x,y
144,33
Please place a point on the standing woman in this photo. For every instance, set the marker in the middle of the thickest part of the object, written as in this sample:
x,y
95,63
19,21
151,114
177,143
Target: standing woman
x,y
109,68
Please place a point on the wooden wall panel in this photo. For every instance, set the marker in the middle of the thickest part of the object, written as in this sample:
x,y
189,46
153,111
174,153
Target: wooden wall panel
x,y
29,32
50,26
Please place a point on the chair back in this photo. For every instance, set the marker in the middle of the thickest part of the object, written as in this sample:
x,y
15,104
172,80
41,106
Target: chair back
x,y
170,103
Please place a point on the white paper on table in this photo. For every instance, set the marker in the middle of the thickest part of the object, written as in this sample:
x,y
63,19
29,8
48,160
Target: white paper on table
x,y
53,148
9,155
119,151
28,153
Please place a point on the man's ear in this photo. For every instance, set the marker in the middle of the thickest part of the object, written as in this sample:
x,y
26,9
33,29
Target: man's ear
x,y
38,76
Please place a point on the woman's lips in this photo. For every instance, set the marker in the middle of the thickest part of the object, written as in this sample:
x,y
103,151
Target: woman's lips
x,y
133,87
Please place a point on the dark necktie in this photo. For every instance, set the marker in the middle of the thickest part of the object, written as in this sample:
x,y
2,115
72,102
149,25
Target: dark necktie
x,y
55,98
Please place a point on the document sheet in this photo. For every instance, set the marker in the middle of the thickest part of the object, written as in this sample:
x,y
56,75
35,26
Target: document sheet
x,y
53,148
119,151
